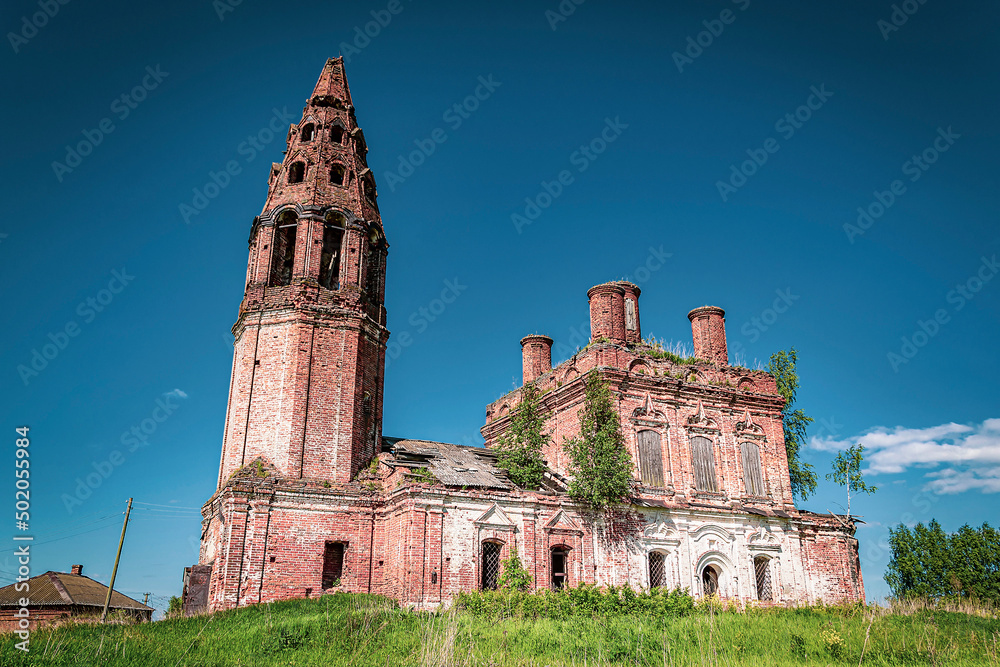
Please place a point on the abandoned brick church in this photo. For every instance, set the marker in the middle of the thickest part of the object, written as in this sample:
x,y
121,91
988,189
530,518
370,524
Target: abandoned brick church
x,y
312,498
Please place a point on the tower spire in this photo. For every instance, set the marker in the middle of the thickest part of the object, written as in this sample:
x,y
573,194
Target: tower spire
x,y
311,336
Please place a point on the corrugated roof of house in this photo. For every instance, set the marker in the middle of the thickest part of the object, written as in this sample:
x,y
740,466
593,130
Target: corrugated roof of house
x,y
59,588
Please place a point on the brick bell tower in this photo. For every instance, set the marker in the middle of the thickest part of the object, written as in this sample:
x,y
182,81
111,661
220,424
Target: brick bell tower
x,y
310,339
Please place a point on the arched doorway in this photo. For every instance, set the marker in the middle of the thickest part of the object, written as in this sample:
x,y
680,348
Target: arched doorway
x,y
710,581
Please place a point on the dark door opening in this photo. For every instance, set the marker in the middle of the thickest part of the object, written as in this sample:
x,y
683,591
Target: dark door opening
x,y
710,580
559,576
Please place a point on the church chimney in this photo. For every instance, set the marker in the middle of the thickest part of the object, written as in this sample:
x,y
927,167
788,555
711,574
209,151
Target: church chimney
x,y
708,326
607,312
76,569
536,356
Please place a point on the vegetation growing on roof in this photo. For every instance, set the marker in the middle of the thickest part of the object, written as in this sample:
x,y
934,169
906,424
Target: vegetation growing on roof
x,y
794,422
519,448
599,462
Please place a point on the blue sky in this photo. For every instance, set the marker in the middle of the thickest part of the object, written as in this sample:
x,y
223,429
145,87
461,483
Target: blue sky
x,y
152,349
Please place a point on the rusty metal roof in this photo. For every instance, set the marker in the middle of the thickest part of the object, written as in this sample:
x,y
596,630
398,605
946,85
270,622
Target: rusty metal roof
x,y
59,588
452,465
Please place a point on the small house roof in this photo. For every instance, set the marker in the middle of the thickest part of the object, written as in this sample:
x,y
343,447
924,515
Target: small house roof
x,y
60,588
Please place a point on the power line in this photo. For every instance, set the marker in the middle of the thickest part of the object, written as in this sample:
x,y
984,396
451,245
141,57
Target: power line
x,y
170,506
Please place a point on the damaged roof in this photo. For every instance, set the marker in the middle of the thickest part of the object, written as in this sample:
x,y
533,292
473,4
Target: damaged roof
x,y
452,465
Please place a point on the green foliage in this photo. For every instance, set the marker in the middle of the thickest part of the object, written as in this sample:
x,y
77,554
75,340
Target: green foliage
x,y
175,607
658,350
584,600
514,577
573,627
926,562
599,462
422,475
847,472
519,449
801,474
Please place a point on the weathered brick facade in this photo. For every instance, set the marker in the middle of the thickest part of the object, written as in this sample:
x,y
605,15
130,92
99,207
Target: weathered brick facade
x,y
312,498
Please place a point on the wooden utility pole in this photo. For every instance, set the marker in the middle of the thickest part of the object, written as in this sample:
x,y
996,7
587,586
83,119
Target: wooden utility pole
x,y
145,599
114,571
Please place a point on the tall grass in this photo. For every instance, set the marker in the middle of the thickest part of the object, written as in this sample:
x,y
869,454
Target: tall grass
x,y
359,630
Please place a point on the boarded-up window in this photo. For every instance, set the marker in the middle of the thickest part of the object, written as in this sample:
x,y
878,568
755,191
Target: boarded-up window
x,y
657,570
333,564
630,322
490,566
703,461
650,458
762,568
752,475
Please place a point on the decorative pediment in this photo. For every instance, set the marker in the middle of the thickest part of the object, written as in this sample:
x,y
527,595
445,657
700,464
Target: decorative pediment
x,y
712,531
661,531
562,522
748,425
647,411
700,419
763,539
495,518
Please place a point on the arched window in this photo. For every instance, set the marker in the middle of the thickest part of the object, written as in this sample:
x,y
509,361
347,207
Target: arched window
x,y
329,269
650,458
297,172
490,569
709,581
703,462
337,134
657,570
762,570
560,567
370,188
307,132
283,253
337,174
752,474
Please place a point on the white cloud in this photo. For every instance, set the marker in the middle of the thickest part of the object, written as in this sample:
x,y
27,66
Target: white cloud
x,y
971,454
